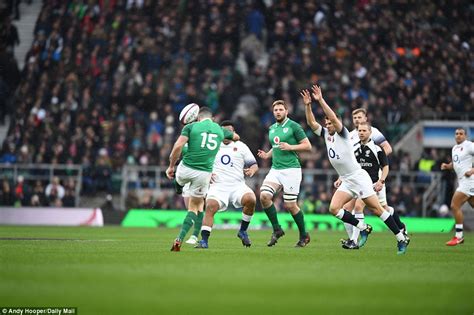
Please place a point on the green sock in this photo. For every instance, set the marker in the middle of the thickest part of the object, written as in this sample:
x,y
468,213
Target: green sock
x,y
299,219
188,222
198,223
272,216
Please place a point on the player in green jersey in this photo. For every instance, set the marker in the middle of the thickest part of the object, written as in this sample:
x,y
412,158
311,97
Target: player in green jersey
x,y
287,138
204,139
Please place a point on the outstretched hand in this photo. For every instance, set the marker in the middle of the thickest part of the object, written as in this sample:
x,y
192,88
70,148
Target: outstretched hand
x,y
317,93
306,97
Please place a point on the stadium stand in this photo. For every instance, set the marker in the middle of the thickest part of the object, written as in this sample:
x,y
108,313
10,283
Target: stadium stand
x,y
104,80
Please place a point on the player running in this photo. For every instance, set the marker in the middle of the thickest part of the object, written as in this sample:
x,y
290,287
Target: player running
x,y
462,158
371,158
287,138
355,181
359,116
233,161
204,139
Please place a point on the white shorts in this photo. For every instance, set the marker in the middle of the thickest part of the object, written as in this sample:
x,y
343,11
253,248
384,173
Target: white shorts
x,y
198,180
225,195
466,185
289,178
382,195
358,184
186,190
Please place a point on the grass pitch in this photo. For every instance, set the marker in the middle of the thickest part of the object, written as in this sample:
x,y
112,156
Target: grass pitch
x,y
117,270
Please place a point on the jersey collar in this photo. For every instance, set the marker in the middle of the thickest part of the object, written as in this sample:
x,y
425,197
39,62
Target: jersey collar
x,y
284,122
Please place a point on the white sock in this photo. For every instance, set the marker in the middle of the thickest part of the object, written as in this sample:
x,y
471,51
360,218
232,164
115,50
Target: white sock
x,y
459,230
206,228
349,227
391,210
385,215
246,217
400,236
340,214
356,232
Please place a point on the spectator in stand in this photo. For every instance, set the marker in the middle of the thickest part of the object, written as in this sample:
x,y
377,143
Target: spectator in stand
x,y
22,192
54,191
7,196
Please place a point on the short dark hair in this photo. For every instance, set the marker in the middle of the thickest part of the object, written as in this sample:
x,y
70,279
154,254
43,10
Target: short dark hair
x,y
463,129
227,123
205,112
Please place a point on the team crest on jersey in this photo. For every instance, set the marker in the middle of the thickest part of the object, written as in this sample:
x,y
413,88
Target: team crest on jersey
x,y
235,149
276,139
285,130
367,153
330,139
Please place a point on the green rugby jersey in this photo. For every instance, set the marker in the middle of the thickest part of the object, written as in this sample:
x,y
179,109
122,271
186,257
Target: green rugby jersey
x,y
204,141
290,132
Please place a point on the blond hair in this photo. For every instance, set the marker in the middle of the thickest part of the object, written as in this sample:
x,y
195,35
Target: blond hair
x,y
359,110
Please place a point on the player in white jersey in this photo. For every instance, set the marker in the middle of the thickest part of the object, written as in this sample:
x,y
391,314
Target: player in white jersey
x,y
359,116
233,161
356,182
462,158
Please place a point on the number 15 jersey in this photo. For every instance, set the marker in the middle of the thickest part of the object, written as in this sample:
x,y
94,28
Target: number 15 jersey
x,y
340,151
204,141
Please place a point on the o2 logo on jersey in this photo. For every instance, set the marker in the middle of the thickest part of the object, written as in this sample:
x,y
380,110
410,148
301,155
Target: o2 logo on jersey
x,y
333,155
276,139
226,160
456,158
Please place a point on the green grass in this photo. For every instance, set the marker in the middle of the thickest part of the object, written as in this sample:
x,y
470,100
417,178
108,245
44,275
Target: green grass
x,y
116,270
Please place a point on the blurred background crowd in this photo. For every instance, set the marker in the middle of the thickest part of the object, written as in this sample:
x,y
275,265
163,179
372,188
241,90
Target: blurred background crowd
x,y
104,80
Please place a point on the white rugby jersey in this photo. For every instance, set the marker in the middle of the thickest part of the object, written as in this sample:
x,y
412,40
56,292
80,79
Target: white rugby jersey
x,y
462,157
231,159
340,151
376,135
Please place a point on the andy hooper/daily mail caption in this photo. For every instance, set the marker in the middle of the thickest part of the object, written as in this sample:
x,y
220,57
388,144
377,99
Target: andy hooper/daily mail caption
x,y
37,310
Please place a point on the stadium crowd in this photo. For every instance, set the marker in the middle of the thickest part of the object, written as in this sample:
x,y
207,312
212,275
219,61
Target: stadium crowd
x,y
104,81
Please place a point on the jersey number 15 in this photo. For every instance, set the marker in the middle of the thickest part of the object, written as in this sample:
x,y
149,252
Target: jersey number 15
x,y
209,140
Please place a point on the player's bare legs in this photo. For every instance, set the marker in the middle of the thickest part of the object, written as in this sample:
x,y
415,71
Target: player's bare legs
x,y
456,203
248,202
339,199
212,206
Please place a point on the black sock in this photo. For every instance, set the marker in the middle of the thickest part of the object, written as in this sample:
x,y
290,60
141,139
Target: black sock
x,y
390,222
349,218
399,223
244,225
205,235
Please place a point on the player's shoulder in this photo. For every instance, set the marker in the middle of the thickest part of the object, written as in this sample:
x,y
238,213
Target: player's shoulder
x,y
292,123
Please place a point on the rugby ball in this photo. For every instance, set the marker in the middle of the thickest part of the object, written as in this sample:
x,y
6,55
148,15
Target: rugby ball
x,y
189,113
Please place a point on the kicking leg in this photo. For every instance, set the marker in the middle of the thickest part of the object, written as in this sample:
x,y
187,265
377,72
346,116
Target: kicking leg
x,y
196,205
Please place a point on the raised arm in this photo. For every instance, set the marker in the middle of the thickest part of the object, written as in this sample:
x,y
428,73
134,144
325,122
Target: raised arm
x,y
174,155
310,120
330,114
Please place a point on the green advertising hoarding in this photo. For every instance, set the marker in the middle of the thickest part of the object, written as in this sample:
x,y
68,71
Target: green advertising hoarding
x,y
231,219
